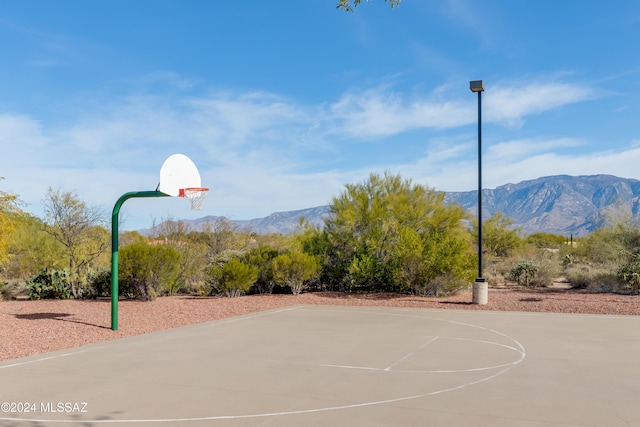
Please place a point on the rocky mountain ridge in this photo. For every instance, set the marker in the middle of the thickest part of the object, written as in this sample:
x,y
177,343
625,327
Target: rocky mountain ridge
x,y
561,204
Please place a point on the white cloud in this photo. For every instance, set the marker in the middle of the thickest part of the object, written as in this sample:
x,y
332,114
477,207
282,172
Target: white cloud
x,y
260,153
382,112
509,103
461,174
16,130
513,150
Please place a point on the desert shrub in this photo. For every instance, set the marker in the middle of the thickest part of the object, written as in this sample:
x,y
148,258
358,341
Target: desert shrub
x,y
442,286
54,284
498,237
629,273
604,246
597,279
545,240
524,272
569,259
213,273
579,275
234,278
496,271
494,277
549,269
12,289
193,260
607,260
4,291
147,271
294,269
547,263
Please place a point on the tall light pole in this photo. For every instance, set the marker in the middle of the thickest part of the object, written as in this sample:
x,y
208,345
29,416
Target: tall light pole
x,y
480,286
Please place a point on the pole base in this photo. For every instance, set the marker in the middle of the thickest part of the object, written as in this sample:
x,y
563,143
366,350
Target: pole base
x,y
480,291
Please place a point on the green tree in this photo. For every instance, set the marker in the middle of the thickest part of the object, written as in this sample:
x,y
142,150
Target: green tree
x,y
79,228
293,269
33,249
315,241
348,6
219,235
605,245
9,213
386,229
498,238
438,263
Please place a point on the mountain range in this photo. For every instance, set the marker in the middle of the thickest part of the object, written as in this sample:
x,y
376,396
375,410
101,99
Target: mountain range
x,y
562,204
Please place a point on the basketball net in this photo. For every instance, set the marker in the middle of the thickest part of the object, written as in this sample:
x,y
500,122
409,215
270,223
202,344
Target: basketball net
x,y
195,195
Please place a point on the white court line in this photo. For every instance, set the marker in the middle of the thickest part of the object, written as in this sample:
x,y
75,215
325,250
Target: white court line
x,y
388,368
270,414
507,367
42,359
441,371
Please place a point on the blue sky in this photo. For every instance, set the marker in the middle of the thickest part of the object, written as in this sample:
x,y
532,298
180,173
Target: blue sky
x,y
280,104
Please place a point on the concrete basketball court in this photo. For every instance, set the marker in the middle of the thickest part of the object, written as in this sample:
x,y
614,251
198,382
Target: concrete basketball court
x,y
342,366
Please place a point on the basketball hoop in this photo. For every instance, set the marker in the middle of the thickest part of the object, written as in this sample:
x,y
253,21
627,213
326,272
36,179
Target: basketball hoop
x,y
196,196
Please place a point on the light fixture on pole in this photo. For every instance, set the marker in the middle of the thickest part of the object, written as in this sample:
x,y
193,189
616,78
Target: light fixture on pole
x,y
480,286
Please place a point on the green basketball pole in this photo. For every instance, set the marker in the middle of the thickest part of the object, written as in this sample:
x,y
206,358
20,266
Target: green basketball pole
x,y
114,248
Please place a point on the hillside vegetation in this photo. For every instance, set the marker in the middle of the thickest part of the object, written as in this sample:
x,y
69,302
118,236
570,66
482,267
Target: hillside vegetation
x,y
386,234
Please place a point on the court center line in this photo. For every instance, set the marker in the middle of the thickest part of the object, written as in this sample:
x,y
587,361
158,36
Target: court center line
x,y
408,355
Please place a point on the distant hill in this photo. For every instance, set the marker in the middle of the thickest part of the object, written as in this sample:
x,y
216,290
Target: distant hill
x,y
559,204
278,222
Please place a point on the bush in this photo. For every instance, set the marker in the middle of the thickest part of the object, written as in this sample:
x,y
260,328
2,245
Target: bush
x,y
54,284
99,283
545,240
366,273
262,258
443,286
630,273
234,278
294,269
548,270
4,291
147,271
597,279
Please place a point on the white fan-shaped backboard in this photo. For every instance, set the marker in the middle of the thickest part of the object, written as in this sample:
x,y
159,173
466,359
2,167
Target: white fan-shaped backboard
x,y
178,172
